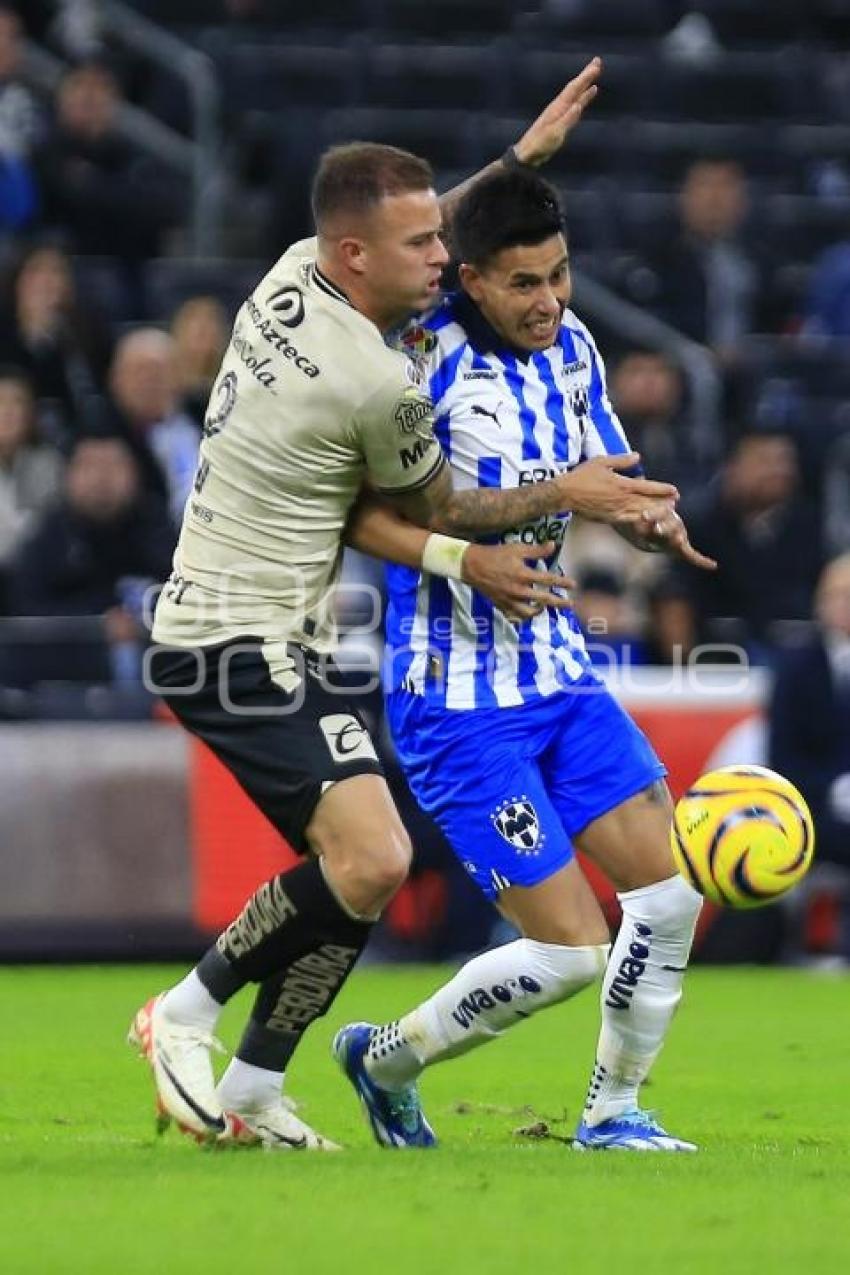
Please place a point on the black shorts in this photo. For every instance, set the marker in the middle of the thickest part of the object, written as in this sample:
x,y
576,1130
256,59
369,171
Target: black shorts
x,y
283,748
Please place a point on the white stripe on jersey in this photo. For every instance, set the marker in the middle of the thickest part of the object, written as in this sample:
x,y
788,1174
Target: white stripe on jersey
x,y
503,422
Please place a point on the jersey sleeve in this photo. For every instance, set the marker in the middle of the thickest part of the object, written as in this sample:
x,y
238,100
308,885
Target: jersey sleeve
x,y
395,432
604,435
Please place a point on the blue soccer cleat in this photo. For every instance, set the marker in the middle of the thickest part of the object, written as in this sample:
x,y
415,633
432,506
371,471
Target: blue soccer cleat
x,y
396,1119
631,1131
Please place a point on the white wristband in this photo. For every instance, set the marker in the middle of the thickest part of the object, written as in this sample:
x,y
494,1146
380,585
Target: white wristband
x,y
443,556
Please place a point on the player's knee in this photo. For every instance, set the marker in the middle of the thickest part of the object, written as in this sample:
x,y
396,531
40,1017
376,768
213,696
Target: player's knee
x,y
565,932
567,968
386,862
665,906
368,865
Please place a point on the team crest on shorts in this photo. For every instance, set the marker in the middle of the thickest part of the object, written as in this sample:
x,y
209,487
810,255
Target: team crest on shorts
x,y
516,820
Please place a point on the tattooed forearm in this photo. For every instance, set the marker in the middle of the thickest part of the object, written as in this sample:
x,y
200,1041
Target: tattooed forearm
x,y
476,512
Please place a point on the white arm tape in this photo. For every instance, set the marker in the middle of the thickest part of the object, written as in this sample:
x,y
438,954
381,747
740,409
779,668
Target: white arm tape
x,y
443,556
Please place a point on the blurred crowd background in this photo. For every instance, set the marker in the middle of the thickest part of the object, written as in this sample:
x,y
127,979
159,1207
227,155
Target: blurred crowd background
x,y
156,156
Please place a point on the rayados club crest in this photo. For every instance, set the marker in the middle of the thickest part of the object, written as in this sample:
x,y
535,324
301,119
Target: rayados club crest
x,y
516,821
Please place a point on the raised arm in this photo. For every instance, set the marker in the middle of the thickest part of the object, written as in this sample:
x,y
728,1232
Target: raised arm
x,y
542,139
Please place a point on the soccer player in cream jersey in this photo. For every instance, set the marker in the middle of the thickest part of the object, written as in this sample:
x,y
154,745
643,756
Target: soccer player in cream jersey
x,y
507,737
309,404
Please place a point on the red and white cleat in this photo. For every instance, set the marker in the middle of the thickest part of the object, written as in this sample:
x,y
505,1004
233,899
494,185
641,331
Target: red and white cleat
x,y
179,1056
275,1128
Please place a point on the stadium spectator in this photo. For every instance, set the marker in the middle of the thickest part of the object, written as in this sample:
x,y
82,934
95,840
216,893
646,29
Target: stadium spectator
x,y
607,619
77,29
648,395
809,723
104,532
111,199
21,128
200,331
766,536
246,10
837,496
711,280
143,385
30,472
21,119
61,346
671,623
827,311
35,15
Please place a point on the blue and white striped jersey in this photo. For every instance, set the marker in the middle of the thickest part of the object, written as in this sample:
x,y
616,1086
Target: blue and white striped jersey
x,y
503,419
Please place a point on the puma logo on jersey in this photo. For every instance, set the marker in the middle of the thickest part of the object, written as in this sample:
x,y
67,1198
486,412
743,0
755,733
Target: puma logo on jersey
x,y
478,410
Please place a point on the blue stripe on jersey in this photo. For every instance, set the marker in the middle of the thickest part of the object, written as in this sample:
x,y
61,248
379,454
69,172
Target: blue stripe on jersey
x,y
554,407
402,585
440,318
527,662
446,373
489,475
556,640
513,377
439,630
603,423
443,434
489,471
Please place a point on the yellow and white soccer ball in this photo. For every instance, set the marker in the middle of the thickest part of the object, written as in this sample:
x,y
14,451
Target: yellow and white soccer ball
x,y
742,836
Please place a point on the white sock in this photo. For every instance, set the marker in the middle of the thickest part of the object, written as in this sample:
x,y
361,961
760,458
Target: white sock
x,y
488,995
191,1002
244,1087
640,992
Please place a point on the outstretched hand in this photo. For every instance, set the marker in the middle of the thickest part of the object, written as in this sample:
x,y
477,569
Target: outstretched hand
x,y
602,490
504,574
668,534
545,137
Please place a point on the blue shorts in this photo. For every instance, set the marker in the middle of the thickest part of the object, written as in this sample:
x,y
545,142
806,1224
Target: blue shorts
x,y
511,787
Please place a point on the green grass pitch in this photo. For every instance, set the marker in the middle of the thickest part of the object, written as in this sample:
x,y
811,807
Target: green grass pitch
x,y
757,1070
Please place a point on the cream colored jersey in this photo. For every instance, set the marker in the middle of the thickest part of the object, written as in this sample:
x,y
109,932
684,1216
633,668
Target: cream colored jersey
x,y
308,404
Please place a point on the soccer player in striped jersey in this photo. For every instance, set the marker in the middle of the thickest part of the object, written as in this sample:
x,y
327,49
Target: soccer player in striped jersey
x,y
507,737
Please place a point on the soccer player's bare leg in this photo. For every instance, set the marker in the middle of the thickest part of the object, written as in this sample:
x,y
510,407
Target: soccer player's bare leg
x,y
643,982
365,849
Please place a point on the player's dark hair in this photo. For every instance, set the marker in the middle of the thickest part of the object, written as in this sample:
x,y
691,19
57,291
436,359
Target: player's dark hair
x,y
354,178
501,211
